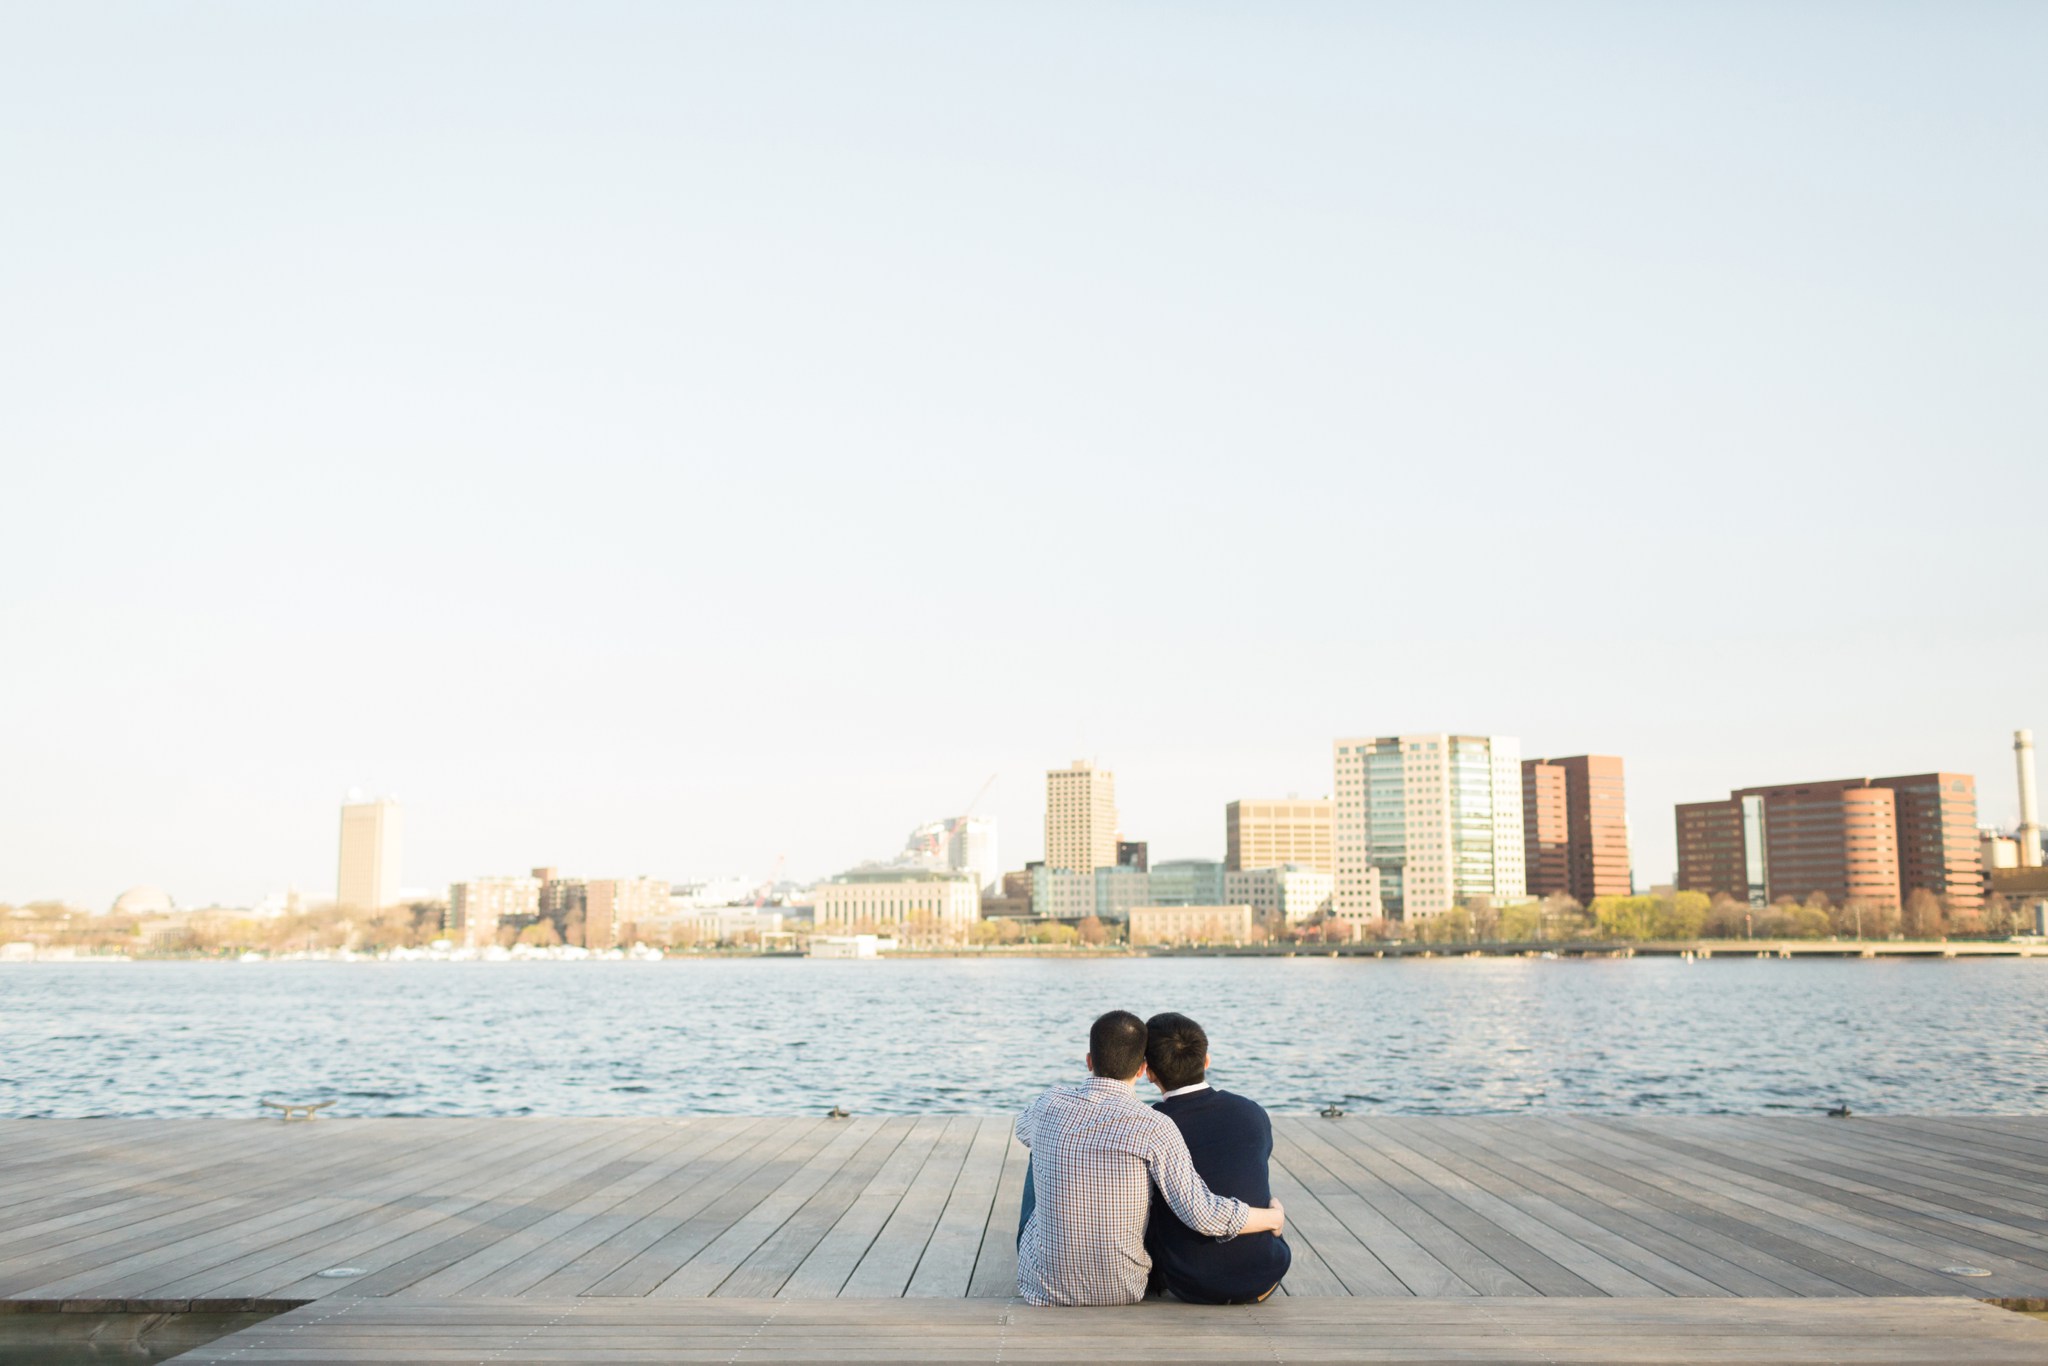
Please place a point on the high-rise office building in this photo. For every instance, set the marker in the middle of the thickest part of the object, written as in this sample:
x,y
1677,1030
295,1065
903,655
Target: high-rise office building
x,y
1271,832
971,848
1080,818
1438,817
1575,827
1851,839
960,844
371,834
1546,830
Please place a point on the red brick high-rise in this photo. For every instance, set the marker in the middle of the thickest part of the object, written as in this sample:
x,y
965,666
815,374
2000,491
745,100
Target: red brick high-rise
x,y
1575,827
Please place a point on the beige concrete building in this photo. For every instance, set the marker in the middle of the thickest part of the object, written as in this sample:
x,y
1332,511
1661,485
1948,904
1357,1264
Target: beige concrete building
x,y
1191,924
917,901
476,907
1272,833
1292,893
612,904
370,848
1080,818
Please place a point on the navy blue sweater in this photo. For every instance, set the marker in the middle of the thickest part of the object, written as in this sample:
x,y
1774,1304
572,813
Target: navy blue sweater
x,y
1231,1141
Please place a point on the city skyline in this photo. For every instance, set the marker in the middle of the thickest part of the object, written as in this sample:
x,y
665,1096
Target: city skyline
x,y
801,414
388,813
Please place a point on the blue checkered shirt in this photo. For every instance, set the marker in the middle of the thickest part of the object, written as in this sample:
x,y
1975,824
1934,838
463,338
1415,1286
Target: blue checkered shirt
x,y
1096,1150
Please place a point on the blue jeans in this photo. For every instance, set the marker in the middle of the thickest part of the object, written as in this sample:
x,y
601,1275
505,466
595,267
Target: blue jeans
x,y
1030,1203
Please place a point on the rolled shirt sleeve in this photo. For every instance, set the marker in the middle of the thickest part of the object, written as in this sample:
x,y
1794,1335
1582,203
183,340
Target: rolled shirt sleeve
x,y
1201,1209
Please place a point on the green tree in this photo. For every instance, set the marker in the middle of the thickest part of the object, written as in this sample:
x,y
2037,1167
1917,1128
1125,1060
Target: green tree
x,y
1682,915
1625,917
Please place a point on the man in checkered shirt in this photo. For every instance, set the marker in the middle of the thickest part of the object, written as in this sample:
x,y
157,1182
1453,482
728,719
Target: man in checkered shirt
x,y
1096,1151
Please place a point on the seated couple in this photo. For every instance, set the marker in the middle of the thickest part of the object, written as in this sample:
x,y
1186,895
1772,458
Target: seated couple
x,y
1119,1192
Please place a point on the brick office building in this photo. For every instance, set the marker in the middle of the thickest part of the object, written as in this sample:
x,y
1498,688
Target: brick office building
x,y
1575,827
1869,839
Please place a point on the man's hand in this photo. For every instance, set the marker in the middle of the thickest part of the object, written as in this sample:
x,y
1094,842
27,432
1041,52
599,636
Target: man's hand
x,y
1270,1220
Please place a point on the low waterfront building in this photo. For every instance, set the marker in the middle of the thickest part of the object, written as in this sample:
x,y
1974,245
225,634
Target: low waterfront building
x,y
478,907
843,946
920,901
1187,882
1190,925
1290,892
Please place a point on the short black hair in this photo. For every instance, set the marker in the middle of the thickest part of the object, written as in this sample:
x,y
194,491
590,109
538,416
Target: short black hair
x,y
1116,1042
1176,1050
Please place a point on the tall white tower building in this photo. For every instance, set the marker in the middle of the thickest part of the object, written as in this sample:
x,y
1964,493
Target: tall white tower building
x,y
1080,818
971,848
1437,818
370,852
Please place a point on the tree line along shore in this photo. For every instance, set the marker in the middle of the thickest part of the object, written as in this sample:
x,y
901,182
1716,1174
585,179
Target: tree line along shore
x,y
1663,917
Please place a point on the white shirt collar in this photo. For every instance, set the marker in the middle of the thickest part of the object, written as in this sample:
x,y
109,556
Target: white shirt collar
x,y
1184,1090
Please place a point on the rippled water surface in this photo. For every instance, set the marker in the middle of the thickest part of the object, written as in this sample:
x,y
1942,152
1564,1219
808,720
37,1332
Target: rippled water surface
x,y
1460,1035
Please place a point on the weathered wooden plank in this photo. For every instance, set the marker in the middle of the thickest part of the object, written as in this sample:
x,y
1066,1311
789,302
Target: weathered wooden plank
x,y
995,1265
1311,1232
825,1270
723,1255
1380,1184
624,1170
1781,1209
777,1156
536,1255
1831,1207
1515,1332
642,1220
497,1218
1519,1158
377,1206
1546,1260
770,1266
947,1266
892,1258
1666,1276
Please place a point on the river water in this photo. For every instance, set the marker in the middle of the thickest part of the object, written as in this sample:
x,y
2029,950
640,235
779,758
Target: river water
x,y
772,1036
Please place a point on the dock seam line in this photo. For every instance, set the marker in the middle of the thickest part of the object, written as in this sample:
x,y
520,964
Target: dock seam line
x,y
574,1305
342,1307
752,1336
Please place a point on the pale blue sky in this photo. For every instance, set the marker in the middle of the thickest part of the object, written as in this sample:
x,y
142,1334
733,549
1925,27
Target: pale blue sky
x,y
656,438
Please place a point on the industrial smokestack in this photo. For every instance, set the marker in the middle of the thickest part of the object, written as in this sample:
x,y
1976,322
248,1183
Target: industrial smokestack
x,y
2030,802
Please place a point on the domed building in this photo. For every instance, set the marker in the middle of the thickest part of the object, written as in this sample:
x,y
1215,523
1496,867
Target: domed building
x,y
144,901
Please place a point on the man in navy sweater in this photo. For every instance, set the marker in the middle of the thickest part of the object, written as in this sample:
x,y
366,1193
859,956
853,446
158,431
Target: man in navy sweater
x,y
1231,1140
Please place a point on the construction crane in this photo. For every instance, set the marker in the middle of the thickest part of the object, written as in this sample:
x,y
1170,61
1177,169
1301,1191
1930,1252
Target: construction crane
x,y
953,827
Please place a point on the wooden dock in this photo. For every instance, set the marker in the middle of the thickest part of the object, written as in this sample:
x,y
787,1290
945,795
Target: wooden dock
x,y
1428,1232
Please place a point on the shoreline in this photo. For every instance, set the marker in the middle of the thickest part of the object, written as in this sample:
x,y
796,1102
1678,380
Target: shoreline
x,y
1688,949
